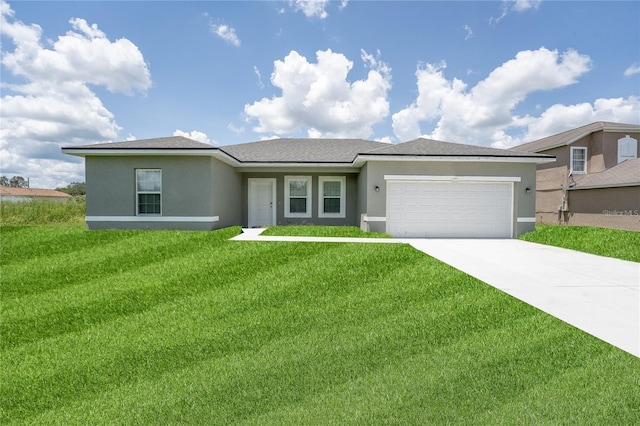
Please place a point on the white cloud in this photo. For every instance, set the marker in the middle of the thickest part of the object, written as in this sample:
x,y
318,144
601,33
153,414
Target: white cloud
x,y
256,71
469,32
312,8
632,70
479,115
55,106
196,136
226,33
319,97
559,118
509,6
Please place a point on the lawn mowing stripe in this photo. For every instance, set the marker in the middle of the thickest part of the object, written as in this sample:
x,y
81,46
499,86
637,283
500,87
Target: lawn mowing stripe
x,y
453,382
74,267
150,286
18,242
181,355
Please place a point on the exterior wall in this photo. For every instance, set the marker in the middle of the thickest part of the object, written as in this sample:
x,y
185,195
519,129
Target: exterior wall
x,y
524,203
187,192
552,205
226,194
351,214
605,207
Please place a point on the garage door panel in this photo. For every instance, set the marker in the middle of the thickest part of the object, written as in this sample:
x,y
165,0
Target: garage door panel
x,y
449,209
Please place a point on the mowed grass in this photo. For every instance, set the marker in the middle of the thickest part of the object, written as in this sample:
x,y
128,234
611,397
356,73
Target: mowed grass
x,y
601,241
321,231
167,327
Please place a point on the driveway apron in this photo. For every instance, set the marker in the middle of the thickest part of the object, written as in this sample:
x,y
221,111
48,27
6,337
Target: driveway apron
x,y
599,295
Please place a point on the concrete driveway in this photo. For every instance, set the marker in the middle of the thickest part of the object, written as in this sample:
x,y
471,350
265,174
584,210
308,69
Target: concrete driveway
x,y
599,295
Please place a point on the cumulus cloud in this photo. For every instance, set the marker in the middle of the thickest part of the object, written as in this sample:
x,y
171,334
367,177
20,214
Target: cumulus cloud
x,y
319,97
226,33
314,8
55,105
632,70
509,6
480,114
196,136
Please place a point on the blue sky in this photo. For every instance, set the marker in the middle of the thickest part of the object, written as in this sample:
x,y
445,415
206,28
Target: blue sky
x,y
484,73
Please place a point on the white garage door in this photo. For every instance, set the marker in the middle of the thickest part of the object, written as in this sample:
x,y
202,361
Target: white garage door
x,y
449,209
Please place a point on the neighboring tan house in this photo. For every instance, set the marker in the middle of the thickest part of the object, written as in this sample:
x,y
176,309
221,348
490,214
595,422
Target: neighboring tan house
x,y
421,188
29,194
595,180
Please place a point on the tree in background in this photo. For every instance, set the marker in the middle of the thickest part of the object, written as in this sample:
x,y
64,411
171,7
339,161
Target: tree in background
x,y
14,182
74,188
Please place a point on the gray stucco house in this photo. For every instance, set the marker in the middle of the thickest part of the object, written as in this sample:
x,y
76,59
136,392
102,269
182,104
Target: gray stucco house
x,y
420,188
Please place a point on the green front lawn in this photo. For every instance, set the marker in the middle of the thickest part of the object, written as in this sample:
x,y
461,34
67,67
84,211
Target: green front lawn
x,y
321,231
167,327
601,241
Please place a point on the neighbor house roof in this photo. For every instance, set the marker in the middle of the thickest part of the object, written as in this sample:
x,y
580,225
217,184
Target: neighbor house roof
x,y
570,136
352,152
626,173
32,192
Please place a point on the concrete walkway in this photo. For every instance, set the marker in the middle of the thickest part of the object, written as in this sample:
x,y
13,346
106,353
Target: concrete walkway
x,y
599,295
596,294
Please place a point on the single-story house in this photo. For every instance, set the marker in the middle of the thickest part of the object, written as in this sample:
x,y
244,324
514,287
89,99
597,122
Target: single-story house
x,y
420,188
11,194
596,178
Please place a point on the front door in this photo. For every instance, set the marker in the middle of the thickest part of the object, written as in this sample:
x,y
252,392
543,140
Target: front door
x,y
262,197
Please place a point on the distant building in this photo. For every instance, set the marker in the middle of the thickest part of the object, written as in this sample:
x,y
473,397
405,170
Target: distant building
x,y
595,180
28,194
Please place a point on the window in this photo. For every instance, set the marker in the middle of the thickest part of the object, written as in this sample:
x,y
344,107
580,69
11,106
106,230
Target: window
x,y
579,159
149,192
297,195
627,149
332,196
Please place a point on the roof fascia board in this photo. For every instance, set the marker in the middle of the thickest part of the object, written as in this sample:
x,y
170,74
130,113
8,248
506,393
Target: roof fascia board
x,y
80,152
361,159
298,167
611,185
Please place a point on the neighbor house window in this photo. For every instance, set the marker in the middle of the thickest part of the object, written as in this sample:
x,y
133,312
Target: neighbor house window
x,y
297,195
149,191
627,149
579,159
332,196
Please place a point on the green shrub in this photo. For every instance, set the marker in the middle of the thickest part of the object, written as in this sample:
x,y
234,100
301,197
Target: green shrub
x,y
42,212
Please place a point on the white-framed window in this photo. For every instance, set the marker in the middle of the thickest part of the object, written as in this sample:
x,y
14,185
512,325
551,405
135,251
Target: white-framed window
x,y
297,196
578,159
627,149
332,196
148,192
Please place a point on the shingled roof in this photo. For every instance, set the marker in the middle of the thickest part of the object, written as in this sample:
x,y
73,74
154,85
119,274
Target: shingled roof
x,y
570,136
32,192
301,151
172,142
433,148
626,173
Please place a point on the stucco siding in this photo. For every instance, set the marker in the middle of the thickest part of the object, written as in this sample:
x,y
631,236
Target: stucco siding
x,y
351,207
524,204
226,194
187,188
605,207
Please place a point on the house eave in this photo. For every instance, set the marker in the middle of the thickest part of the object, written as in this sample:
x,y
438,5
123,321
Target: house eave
x,y
361,159
611,185
83,152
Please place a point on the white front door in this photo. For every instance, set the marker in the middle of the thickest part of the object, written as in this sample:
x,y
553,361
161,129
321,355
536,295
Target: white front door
x,y
262,200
